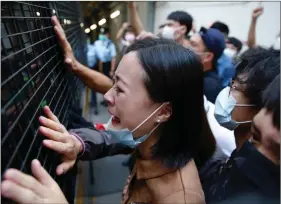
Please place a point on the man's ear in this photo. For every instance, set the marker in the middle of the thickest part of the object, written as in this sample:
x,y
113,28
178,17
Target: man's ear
x,y
165,113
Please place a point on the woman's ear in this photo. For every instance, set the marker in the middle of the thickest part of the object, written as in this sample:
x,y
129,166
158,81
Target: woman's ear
x,y
165,113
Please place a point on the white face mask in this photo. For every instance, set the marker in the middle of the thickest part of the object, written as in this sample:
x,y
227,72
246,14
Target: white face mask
x,y
169,33
125,136
224,105
230,52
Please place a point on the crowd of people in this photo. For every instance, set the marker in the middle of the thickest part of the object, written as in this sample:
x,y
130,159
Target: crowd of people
x,y
200,117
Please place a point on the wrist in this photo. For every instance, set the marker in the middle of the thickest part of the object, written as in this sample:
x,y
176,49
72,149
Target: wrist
x,y
78,143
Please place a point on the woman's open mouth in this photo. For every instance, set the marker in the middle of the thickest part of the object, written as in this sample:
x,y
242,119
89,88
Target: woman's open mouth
x,y
115,120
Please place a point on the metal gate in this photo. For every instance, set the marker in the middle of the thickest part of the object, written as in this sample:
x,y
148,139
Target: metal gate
x,y
33,75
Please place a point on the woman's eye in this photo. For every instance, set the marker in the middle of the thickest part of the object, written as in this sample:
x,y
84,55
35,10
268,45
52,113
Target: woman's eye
x,y
118,90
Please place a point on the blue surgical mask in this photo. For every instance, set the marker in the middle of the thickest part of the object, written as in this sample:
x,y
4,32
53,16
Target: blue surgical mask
x,y
102,37
125,136
224,105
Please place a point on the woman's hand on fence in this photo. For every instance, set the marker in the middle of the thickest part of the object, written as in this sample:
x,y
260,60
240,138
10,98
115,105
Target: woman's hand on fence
x,y
69,57
59,140
24,188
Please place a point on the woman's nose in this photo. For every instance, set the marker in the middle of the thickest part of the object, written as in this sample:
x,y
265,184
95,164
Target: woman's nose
x,y
109,98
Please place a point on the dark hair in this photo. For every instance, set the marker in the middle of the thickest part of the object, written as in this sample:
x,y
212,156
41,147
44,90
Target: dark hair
x,y
271,100
183,18
222,27
237,43
168,69
261,66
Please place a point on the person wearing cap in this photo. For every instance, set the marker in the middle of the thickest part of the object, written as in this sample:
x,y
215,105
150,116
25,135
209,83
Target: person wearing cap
x,y
209,44
225,65
106,53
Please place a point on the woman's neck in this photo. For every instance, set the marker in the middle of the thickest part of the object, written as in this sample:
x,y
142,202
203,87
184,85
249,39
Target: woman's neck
x,y
145,148
241,136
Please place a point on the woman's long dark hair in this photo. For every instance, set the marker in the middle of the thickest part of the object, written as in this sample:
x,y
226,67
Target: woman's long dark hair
x,y
174,74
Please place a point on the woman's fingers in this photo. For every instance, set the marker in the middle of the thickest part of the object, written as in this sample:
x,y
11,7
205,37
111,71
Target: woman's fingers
x,y
50,114
41,174
52,124
65,167
18,193
56,22
24,180
52,134
59,147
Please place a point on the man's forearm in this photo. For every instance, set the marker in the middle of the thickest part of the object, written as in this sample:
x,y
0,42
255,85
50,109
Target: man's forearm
x,y
252,34
120,33
93,79
135,19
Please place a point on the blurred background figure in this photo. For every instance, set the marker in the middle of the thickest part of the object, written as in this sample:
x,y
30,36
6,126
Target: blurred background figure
x,y
93,64
125,37
106,53
233,48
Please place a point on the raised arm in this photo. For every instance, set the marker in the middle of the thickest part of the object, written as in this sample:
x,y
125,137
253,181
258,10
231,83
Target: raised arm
x,y
89,77
135,18
121,31
252,31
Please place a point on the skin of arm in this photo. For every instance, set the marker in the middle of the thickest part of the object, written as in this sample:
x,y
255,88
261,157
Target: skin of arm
x,y
135,18
252,31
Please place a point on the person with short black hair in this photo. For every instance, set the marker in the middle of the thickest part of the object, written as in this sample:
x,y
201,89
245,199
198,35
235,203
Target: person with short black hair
x,y
209,45
256,70
169,130
222,27
177,26
233,48
235,108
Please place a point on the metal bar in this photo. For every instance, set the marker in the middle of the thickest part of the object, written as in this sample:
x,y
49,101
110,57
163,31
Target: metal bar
x,y
36,133
23,136
62,82
30,80
26,65
15,122
34,17
26,32
19,51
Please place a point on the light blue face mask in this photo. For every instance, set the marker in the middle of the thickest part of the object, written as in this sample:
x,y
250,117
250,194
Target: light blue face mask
x,y
224,105
102,37
125,136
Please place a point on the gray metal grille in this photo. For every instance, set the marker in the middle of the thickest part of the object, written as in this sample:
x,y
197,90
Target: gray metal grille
x,y
33,75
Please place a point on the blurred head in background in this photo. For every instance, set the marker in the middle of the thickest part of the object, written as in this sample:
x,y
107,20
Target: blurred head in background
x,y
266,124
129,35
233,47
222,27
209,45
243,99
177,26
104,34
